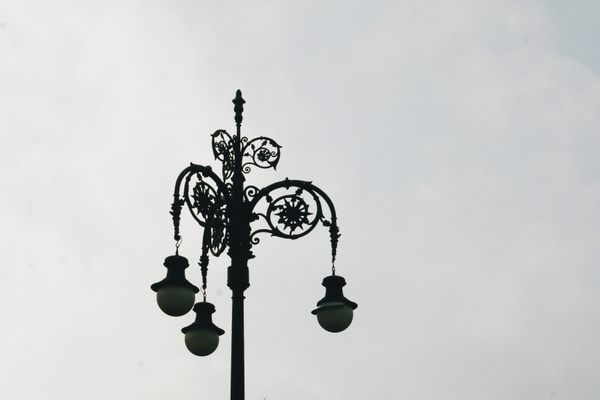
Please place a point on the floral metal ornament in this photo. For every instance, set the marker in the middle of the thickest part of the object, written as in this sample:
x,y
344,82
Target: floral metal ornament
x,y
261,152
222,145
293,212
288,209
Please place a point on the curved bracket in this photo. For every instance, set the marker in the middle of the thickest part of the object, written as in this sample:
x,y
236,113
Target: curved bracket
x,y
261,152
206,203
294,209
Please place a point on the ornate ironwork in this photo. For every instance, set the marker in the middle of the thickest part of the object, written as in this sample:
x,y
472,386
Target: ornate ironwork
x,y
249,192
292,209
176,214
203,196
218,231
261,152
288,209
206,196
222,145
292,212
208,207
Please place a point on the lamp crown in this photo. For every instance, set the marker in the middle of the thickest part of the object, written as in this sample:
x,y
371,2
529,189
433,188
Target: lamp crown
x,y
238,107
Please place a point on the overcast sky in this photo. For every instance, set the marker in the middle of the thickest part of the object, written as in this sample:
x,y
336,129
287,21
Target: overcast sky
x,y
458,140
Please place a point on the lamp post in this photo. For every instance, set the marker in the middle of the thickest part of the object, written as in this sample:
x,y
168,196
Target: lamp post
x,y
233,215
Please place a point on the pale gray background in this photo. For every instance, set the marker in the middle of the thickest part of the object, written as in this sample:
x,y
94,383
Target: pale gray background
x,y
459,141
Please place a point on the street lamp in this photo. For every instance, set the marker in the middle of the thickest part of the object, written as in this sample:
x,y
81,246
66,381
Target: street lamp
x,y
232,216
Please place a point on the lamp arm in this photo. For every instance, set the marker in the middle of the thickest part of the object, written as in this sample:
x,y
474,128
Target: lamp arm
x,y
179,200
292,211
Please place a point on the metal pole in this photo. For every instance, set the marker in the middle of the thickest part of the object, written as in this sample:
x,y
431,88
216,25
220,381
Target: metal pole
x,y
237,346
239,251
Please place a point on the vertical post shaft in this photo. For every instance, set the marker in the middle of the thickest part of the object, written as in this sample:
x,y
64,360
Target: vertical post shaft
x,y
239,251
237,346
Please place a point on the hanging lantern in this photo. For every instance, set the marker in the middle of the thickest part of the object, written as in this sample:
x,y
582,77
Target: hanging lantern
x,y
175,294
202,336
334,312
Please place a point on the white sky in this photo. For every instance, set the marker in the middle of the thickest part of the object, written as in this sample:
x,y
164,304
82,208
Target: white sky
x,y
458,140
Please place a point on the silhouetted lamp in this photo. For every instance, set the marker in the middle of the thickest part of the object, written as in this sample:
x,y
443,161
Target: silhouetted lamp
x,y
334,312
232,215
202,336
175,294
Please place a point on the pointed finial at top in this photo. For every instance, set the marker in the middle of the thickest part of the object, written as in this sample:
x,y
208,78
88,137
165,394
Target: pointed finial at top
x,y
239,107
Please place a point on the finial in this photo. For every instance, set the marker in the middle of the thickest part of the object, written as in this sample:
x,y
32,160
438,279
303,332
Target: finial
x,y
239,107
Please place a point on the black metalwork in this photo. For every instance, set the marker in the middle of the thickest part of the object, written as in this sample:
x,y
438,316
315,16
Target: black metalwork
x,y
262,152
234,215
176,266
222,145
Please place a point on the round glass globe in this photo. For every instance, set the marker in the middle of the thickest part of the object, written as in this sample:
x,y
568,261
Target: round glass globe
x,y
335,316
175,300
201,342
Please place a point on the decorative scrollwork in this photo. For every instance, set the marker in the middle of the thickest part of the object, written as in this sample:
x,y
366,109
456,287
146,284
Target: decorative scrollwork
x,y
249,192
232,213
204,198
223,150
291,212
218,232
208,207
262,152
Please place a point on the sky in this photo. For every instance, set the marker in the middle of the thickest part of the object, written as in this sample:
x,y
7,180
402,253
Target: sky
x,y
458,140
